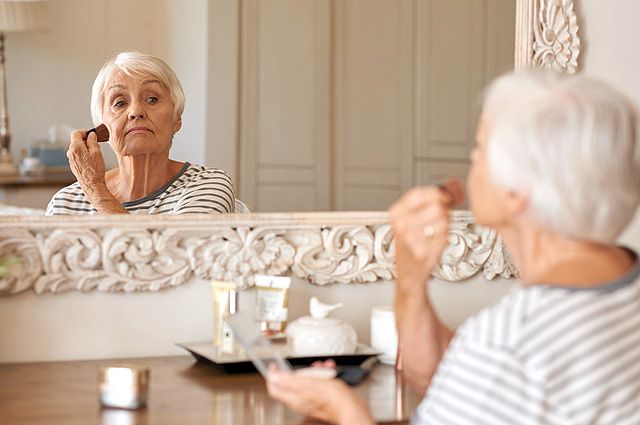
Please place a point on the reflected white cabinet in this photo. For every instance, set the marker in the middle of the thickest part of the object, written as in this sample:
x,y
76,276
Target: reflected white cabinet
x,y
345,104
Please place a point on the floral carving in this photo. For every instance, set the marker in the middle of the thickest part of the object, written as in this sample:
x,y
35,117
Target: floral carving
x,y
556,44
239,254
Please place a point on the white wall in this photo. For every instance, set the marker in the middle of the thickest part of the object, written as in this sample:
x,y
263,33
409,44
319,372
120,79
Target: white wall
x,y
75,325
49,73
610,35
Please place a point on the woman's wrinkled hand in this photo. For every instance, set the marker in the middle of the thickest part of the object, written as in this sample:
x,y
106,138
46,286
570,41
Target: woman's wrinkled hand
x,y
86,161
420,222
329,400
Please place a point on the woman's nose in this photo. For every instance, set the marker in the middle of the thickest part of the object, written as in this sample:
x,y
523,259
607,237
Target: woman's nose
x,y
136,111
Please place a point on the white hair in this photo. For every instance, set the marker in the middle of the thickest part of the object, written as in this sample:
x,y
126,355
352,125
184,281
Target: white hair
x,y
572,145
137,65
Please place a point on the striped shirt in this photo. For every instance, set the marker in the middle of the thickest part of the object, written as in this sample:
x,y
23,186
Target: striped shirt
x,y
195,189
544,355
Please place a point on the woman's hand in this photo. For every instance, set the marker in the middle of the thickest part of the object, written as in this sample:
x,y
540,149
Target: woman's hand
x,y
329,400
87,164
85,159
420,221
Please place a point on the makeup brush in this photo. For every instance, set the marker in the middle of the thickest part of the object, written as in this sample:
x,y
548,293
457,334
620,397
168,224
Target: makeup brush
x,y
101,131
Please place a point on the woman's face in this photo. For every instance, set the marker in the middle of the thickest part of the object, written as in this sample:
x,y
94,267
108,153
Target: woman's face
x,y
139,115
486,198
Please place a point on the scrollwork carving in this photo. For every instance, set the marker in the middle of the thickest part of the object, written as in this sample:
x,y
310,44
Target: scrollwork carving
x,y
21,244
345,254
108,255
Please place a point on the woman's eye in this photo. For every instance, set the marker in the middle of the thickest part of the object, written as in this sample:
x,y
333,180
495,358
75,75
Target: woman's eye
x,y
119,104
152,100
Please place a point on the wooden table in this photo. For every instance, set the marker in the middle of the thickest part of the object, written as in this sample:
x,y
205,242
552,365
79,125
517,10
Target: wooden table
x,y
181,392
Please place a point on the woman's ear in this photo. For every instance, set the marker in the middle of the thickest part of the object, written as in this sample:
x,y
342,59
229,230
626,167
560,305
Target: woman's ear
x,y
516,203
178,125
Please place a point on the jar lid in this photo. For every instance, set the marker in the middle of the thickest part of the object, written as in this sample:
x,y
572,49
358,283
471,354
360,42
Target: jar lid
x,y
318,322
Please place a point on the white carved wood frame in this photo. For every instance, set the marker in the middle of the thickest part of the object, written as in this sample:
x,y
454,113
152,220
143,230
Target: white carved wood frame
x,y
150,253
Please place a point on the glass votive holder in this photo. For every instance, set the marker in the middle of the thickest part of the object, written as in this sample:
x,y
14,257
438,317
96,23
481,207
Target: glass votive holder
x,y
123,386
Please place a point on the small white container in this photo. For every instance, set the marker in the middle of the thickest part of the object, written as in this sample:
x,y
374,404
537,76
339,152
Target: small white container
x,y
384,336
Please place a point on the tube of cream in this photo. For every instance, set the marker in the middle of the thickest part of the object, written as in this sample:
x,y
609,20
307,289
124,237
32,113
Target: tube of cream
x,y
272,299
225,303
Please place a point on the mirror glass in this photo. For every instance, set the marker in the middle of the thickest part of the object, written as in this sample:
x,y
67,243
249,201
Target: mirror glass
x,y
309,106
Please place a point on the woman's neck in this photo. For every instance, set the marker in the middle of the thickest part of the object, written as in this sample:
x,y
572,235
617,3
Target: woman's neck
x,y
545,257
141,175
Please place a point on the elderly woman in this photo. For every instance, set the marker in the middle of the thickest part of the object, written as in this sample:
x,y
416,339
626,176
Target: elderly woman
x,y
556,171
140,100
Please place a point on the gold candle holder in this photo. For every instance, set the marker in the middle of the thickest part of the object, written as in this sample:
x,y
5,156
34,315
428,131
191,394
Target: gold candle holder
x,y
123,386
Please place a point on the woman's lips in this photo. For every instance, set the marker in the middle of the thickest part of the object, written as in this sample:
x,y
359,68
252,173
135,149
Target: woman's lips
x,y
138,130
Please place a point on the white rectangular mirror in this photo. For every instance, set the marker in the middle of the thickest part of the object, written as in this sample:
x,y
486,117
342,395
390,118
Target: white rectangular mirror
x,y
384,72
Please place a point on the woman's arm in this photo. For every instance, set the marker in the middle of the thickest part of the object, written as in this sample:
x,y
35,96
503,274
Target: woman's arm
x,y
87,164
420,220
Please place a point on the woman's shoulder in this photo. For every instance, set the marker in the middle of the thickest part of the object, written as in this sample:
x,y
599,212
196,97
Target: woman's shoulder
x,y
73,192
195,172
502,323
200,177
69,200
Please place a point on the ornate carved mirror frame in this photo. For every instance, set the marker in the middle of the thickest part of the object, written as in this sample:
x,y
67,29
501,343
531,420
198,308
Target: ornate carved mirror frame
x,y
150,253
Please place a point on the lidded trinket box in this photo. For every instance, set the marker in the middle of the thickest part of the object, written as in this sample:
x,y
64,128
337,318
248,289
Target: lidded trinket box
x,y
318,334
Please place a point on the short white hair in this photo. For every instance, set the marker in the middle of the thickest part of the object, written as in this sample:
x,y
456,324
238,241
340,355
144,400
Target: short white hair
x,y
136,65
572,145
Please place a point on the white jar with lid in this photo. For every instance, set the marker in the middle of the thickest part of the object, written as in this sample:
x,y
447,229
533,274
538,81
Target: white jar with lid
x,y
319,335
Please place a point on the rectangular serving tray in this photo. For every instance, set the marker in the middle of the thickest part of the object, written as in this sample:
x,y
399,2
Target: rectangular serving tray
x,y
239,362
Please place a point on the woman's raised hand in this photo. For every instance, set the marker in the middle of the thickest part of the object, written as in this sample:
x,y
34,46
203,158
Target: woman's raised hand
x,y
87,164
86,161
420,221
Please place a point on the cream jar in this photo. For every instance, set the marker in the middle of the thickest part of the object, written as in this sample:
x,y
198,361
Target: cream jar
x,y
319,335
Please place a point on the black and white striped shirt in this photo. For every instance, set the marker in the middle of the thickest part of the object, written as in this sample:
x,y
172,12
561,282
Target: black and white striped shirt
x,y
544,355
195,189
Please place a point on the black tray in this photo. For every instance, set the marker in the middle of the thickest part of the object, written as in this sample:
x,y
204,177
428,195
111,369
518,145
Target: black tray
x,y
240,363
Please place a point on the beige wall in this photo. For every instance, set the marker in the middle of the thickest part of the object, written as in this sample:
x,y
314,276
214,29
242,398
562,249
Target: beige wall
x,y
610,34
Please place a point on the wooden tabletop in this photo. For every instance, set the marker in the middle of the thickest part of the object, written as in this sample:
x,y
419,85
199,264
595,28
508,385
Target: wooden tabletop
x,y
46,179
181,392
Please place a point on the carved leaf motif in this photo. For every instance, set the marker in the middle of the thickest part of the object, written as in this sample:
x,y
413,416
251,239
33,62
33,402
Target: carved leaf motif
x,y
239,254
499,263
70,259
144,259
22,276
345,254
469,247
111,261
556,44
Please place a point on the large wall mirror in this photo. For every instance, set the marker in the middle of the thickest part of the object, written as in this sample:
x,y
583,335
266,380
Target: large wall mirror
x,y
312,106
347,104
